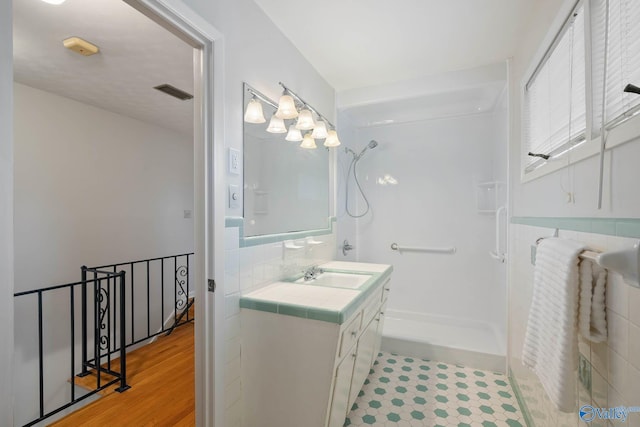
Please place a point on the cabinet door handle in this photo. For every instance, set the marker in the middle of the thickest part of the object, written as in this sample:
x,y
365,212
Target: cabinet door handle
x,y
382,313
354,355
387,289
378,319
354,333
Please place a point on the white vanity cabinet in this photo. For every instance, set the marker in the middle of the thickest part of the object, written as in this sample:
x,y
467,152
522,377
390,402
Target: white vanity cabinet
x,y
308,372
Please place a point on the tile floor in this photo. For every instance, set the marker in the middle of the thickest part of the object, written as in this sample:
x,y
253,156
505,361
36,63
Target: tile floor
x,y
407,392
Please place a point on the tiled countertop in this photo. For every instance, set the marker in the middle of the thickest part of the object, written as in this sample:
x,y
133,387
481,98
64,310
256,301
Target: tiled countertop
x,y
324,303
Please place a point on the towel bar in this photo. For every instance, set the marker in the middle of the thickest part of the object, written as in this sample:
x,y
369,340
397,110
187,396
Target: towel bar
x,y
625,262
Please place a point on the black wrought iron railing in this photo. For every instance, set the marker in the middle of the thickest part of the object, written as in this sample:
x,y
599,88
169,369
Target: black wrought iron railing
x,y
97,296
159,295
112,308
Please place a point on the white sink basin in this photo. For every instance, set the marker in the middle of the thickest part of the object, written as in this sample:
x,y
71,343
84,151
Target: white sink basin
x,y
337,280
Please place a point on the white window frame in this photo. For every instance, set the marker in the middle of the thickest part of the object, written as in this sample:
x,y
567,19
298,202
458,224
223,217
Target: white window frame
x,y
619,132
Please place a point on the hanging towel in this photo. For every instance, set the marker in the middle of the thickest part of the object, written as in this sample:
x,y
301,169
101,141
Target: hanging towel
x,y
551,340
592,321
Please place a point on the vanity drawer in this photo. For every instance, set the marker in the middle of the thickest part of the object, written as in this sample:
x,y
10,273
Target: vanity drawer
x,y
350,335
372,306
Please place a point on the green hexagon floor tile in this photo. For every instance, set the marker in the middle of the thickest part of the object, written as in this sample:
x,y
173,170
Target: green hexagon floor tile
x,y
399,394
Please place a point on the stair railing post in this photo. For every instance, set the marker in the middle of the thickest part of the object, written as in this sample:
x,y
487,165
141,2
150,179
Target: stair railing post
x,y
123,337
84,371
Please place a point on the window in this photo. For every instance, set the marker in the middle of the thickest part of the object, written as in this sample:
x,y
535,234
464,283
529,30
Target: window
x,y
623,60
555,96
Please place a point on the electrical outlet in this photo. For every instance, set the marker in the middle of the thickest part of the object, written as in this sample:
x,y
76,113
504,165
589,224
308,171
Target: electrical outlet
x,y
234,161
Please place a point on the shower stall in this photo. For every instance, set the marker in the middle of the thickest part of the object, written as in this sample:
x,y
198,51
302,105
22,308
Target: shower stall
x,y
428,201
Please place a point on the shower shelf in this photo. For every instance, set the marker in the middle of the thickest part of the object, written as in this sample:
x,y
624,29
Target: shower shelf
x,y
488,196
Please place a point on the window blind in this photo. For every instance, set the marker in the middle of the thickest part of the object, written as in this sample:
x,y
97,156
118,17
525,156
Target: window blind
x,y
555,97
623,59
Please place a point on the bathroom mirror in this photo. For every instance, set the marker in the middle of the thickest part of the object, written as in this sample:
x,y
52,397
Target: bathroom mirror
x,y
286,187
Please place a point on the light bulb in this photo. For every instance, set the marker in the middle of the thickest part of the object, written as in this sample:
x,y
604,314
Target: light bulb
x,y
294,134
332,139
54,1
276,125
286,108
308,142
320,130
254,112
305,120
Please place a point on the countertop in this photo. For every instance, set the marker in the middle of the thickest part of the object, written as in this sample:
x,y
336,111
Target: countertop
x,y
324,303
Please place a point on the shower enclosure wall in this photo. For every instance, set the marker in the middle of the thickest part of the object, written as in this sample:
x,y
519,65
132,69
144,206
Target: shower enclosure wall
x,y
422,182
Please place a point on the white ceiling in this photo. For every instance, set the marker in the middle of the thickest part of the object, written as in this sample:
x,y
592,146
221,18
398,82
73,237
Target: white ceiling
x,y
357,43
136,54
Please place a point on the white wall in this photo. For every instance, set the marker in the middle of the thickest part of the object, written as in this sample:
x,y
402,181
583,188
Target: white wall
x,y
437,164
614,364
93,187
256,52
6,215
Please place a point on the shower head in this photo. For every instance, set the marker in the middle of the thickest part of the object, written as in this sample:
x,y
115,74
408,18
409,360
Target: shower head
x,y
372,144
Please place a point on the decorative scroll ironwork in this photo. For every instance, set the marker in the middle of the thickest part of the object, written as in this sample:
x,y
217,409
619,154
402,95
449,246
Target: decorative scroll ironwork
x,y
103,304
182,275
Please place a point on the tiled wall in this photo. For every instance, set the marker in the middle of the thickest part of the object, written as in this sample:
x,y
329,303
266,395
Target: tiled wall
x,y
248,269
614,365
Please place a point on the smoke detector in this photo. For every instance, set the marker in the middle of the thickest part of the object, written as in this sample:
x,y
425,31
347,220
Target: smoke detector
x,y
80,46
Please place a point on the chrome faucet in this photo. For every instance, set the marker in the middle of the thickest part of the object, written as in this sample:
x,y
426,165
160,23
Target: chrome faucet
x,y
312,272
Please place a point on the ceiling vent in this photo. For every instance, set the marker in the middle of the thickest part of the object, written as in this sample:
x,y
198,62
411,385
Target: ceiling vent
x,y
174,91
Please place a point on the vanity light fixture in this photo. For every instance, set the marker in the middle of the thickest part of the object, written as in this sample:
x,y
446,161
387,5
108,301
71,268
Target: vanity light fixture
x,y
276,125
294,134
254,112
56,2
290,107
305,120
320,130
308,142
332,139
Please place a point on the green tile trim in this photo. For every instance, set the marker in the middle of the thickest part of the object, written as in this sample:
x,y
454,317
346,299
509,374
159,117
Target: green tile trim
x,y
315,313
621,227
244,242
521,402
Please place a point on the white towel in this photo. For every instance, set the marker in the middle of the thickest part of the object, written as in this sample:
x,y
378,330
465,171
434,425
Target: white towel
x,y
592,321
551,340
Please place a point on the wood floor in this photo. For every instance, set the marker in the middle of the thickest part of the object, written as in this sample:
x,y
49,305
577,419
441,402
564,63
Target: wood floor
x,y
161,376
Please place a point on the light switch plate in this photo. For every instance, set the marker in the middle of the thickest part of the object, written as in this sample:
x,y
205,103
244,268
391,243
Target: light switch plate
x,y
234,161
234,196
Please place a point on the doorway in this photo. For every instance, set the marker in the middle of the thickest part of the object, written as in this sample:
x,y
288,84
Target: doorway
x,y
201,44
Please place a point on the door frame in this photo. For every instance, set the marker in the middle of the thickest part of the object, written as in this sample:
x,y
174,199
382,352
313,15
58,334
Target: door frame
x,y
209,213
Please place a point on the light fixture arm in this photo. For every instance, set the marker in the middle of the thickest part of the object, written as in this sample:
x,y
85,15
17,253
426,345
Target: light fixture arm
x,y
261,97
305,104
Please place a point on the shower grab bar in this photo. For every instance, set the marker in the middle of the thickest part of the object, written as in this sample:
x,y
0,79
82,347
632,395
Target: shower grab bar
x,y
396,247
498,254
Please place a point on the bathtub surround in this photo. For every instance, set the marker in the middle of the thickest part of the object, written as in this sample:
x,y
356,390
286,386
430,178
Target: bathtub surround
x,y
422,185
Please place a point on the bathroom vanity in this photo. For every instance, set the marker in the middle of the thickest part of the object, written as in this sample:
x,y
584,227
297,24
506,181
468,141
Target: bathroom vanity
x,y
308,346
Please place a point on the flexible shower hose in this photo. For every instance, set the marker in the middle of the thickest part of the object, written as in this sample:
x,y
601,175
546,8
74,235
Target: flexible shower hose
x,y
354,163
